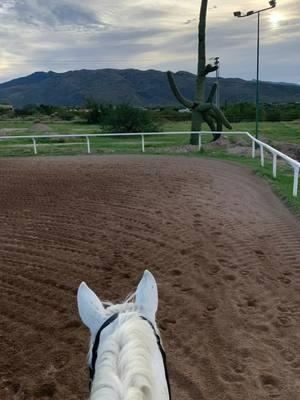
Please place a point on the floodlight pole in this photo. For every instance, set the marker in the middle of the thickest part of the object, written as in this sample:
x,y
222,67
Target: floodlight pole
x,y
217,64
238,14
257,108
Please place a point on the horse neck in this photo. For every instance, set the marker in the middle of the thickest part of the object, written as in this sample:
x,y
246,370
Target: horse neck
x,y
129,364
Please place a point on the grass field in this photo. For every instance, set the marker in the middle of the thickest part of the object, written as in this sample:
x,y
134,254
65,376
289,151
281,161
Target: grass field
x,y
287,132
275,133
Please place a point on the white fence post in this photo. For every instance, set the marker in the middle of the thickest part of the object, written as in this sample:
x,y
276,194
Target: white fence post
x,y
88,145
34,146
262,158
296,181
253,149
200,142
143,144
274,165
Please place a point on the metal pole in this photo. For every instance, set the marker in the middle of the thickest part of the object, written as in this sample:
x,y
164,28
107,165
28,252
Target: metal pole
x,y
253,148
274,165
218,84
296,181
257,77
143,144
262,156
200,142
34,146
88,145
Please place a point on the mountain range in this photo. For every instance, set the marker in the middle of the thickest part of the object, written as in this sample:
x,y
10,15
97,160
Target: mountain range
x,y
132,86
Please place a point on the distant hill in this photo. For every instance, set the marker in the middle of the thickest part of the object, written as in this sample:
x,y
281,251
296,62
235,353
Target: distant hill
x,y
139,88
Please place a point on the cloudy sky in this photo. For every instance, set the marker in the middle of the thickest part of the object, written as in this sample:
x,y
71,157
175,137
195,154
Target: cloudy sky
x,y
61,35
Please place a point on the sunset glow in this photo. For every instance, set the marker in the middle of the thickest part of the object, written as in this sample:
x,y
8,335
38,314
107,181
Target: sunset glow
x,y
61,35
275,18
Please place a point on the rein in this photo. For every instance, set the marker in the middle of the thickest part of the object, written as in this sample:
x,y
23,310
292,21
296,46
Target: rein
x,y
109,321
96,345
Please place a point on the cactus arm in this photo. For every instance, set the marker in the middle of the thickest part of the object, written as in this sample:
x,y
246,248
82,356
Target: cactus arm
x,y
219,126
218,123
221,117
216,136
176,92
210,68
214,124
212,93
210,122
202,107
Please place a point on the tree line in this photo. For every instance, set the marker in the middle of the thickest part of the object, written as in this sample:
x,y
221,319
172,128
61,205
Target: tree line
x,y
126,118
268,112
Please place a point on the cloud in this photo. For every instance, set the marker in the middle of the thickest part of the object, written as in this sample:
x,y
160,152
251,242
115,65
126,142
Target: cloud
x,y
54,15
64,34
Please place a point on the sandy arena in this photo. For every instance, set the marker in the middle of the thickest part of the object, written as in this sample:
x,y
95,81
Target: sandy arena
x,y
224,250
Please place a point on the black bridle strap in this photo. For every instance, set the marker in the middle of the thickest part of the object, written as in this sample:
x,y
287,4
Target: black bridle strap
x,y
97,341
96,345
163,354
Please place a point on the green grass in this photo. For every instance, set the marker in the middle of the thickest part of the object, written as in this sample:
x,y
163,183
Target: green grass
x,y
59,127
286,132
15,124
283,132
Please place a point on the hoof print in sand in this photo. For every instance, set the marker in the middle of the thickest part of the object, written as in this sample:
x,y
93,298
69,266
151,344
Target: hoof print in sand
x,y
288,355
283,321
213,269
211,307
176,272
46,391
271,384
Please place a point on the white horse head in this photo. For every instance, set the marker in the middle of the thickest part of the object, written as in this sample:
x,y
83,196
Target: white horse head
x,y
126,358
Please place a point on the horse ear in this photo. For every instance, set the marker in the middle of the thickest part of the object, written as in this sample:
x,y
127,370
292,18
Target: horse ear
x,y
147,296
90,308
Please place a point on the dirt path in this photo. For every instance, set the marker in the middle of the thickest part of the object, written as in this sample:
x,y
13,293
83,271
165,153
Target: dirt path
x,y
225,251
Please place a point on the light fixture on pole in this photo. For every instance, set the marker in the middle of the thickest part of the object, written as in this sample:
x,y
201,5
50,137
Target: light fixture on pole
x,y
238,14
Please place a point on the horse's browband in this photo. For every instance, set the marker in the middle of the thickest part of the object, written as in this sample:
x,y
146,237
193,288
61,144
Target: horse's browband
x,y
97,342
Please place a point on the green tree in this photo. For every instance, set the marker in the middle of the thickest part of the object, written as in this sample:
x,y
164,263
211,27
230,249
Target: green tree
x,y
124,118
93,116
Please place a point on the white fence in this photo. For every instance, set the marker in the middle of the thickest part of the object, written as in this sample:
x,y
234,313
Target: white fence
x,y
295,165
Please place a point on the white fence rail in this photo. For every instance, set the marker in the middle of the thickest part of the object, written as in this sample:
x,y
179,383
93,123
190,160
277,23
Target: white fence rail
x,y
255,142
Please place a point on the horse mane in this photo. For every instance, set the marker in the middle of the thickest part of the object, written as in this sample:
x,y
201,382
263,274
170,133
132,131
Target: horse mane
x,y
123,367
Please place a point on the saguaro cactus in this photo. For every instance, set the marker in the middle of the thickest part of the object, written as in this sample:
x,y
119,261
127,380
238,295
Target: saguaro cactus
x,y
202,111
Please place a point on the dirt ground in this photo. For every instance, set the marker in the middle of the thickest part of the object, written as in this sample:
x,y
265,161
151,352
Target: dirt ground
x,y
224,250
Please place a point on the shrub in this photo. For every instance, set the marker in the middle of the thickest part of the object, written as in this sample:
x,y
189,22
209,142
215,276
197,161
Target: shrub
x,y
124,118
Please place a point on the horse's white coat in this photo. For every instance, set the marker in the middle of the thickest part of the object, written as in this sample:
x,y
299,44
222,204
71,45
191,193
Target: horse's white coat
x,y
129,365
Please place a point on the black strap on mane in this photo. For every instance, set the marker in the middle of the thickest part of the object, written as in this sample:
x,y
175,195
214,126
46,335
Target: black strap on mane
x,y
163,354
97,342
96,345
